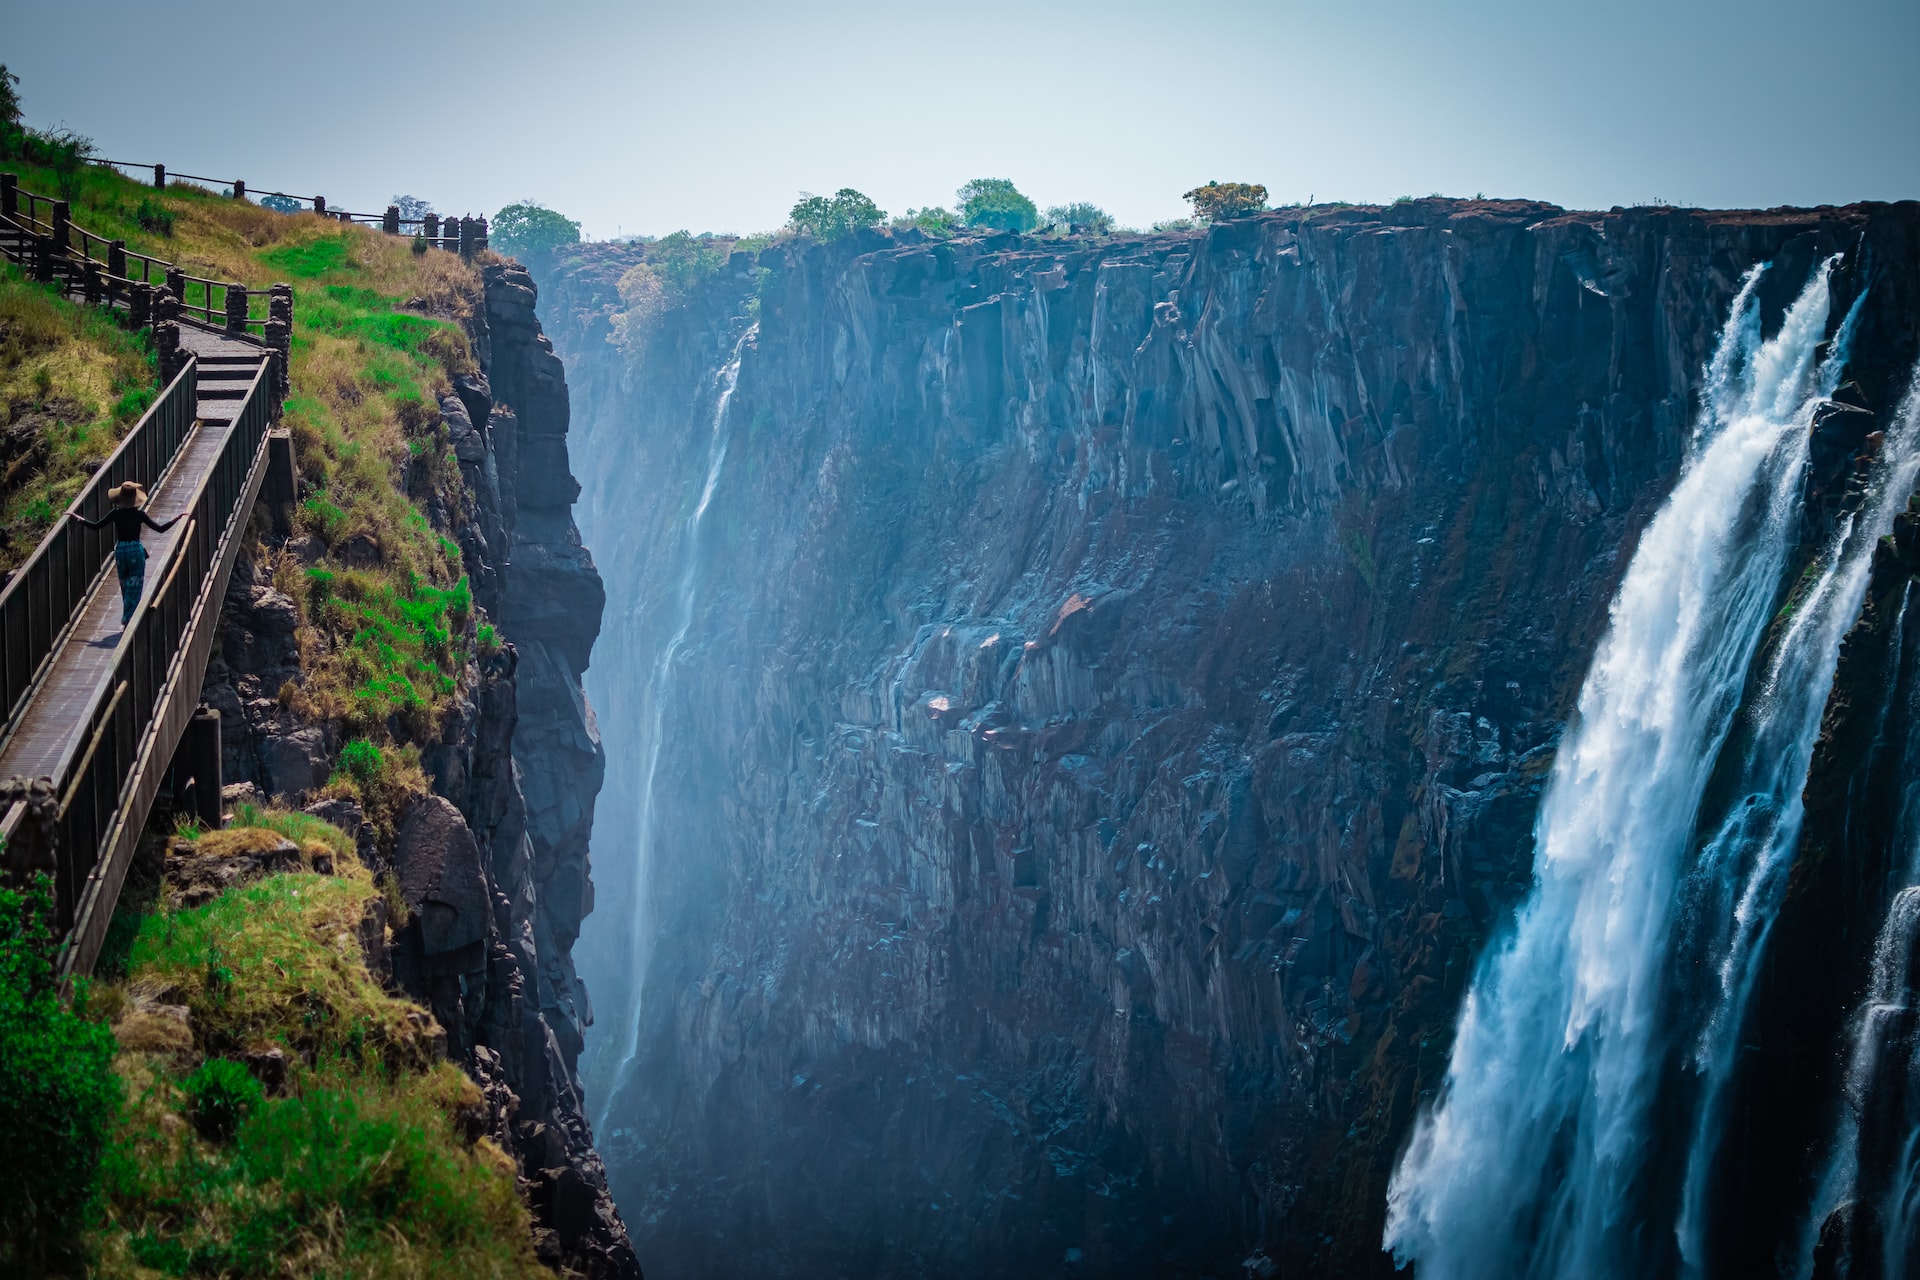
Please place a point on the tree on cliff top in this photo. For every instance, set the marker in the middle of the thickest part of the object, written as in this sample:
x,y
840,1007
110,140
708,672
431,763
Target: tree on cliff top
x,y
997,205
1091,219
1218,201
528,229
831,217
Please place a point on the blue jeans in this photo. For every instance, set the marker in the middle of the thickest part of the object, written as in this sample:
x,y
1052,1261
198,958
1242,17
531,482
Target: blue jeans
x,y
130,559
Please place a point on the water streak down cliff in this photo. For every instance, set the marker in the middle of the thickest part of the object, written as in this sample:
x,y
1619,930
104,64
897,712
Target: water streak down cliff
x,y
1117,688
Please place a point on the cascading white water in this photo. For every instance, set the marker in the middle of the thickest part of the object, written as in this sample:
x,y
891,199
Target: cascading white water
x,y
1741,872
635,924
1882,1166
1528,1161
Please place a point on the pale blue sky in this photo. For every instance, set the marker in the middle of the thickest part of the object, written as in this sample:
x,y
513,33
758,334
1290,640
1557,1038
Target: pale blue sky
x,y
648,117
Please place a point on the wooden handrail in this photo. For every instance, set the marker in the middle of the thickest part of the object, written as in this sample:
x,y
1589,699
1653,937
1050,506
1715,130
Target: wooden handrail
x,y
178,560
79,774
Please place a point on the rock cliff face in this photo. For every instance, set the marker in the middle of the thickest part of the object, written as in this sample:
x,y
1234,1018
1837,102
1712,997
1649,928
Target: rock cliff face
x,y
1107,689
492,866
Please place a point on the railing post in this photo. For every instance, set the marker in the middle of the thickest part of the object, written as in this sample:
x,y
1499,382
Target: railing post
x,y
390,220
140,307
239,189
280,336
480,237
198,757
43,259
93,284
62,223
159,175
9,194
35,839
236,308
166,340
432,230
466,237
177,285
281,485
320,205
117,258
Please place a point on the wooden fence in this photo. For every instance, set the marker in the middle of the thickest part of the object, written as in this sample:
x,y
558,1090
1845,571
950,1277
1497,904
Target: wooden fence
x,y
464,236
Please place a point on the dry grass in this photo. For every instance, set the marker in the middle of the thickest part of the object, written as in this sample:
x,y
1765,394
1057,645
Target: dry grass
x,y
71,383
369,1162
377,338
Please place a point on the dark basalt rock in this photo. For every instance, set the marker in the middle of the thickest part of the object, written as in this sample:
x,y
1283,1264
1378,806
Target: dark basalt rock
x,y
1120,683
492,867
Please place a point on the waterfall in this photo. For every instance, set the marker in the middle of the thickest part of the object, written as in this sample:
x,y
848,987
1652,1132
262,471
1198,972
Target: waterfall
x,y
638,825
1876,1160
1740,875
1528,1162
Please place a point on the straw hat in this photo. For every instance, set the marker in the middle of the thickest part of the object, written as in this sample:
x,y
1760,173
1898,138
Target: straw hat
x,y
130,494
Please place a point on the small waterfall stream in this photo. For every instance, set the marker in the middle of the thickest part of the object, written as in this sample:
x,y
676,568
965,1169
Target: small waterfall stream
x,y
632,777
1529,1162
1876,1146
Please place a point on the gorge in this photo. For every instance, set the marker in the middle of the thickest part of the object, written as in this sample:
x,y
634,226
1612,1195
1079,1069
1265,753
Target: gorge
x,y
1080,713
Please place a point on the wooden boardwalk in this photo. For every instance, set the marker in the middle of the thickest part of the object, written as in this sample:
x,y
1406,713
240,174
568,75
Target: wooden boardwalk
x,y
48,733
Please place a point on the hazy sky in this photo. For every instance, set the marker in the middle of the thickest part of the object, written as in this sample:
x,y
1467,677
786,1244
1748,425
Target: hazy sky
x,y
648,117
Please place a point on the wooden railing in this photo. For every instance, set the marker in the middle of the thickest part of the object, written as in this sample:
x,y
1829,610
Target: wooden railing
x,y
86,825
38,232
464,236
38,602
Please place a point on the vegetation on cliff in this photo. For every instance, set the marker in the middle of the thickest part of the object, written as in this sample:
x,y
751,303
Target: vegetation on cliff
x,y
386,617
286,1115
270,1107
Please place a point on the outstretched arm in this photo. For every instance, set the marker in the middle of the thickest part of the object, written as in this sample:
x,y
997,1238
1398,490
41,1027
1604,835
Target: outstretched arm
x,y
160,528
101,523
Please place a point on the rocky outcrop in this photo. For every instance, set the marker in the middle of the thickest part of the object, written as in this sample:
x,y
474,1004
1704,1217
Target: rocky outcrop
x,y
491,868
1116,685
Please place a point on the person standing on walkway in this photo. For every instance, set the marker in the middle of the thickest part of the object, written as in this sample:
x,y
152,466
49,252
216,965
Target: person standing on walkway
x,y
129,556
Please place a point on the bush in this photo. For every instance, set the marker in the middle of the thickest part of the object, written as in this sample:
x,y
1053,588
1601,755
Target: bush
x,y
1091,219
220,1095
152,217
836,216
527,229
59,1097
360,761
997,205
1218,201
935,220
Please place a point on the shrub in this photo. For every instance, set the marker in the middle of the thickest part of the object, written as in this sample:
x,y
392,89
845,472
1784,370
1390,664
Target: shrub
x,y
419,243
836,216
997,205
1218,201
360,761
59,1096
528,229
933,220
153,217
220,1094
1091,219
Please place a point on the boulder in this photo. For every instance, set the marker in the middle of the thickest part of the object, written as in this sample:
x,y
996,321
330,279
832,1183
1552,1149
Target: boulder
x,y
441,881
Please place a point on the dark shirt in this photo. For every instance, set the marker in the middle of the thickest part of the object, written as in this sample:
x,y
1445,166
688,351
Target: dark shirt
x,y
126,522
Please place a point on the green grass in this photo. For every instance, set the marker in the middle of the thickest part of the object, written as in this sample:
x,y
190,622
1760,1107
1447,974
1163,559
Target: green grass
x,y
71,372
370,1164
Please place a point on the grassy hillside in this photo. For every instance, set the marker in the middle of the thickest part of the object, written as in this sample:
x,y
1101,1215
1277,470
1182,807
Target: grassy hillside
x,y
377,337
365,1158
71,383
